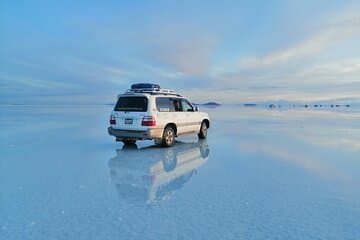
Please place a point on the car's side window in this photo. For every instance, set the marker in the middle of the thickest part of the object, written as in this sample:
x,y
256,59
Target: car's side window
x,y
165,104
177,104
186,106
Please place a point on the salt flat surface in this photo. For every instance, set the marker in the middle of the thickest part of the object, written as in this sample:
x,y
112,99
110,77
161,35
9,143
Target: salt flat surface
x,y
261,174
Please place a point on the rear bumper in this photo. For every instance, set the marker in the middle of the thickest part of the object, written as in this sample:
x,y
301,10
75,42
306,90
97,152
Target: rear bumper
x,y
121,134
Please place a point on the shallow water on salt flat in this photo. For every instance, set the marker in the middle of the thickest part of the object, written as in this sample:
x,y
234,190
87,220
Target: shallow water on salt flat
x,y
261,174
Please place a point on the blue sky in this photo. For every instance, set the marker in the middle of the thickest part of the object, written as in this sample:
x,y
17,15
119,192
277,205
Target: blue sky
x,y
228,51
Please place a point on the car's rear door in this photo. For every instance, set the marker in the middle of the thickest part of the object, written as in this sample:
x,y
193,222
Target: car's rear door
x,y
129,112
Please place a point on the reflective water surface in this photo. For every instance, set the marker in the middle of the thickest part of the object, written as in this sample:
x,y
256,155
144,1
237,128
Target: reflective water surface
x,y
261,174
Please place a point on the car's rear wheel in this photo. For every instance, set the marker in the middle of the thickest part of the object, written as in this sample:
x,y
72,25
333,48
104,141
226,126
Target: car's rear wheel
x,y
203,130
129,141
168,138
169,160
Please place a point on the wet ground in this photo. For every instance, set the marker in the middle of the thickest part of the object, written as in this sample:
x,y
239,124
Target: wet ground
x,y
261,174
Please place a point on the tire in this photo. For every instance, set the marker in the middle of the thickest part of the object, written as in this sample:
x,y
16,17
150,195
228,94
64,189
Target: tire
x,y
129,141
169,161
203,130
128,147
204,151
168,138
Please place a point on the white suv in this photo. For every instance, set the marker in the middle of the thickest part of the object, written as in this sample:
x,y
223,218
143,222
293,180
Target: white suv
x,y
148,112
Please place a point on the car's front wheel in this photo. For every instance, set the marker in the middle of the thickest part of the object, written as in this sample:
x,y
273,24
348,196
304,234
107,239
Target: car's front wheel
x,y
203,130
168,138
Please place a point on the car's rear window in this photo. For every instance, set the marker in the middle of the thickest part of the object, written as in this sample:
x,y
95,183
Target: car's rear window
x,y
132,104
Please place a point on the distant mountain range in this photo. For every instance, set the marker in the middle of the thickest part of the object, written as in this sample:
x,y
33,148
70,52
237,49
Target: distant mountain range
x,y
289,104
210,104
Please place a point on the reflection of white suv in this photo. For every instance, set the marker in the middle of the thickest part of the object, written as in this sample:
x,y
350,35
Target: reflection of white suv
x,y
148,112
151,174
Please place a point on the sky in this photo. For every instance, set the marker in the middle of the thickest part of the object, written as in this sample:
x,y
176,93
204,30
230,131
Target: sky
x,y
225,51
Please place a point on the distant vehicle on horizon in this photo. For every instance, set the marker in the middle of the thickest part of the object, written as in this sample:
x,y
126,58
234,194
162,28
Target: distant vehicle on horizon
x,y
148,112
250,104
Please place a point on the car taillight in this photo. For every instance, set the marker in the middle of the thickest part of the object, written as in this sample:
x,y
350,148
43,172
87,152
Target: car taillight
x,y
112,119
148,121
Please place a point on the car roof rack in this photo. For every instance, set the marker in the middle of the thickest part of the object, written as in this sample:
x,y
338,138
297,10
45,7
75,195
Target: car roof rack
x,y
153,91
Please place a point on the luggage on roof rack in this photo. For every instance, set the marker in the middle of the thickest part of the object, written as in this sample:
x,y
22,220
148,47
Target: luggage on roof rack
x,y
145,86
150,88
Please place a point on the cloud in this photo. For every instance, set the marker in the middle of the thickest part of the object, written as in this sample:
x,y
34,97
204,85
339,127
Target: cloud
x,y
115,73
339,72
340,28
309,47
189,52
108,54
95,71
312,68
164,73
15,81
